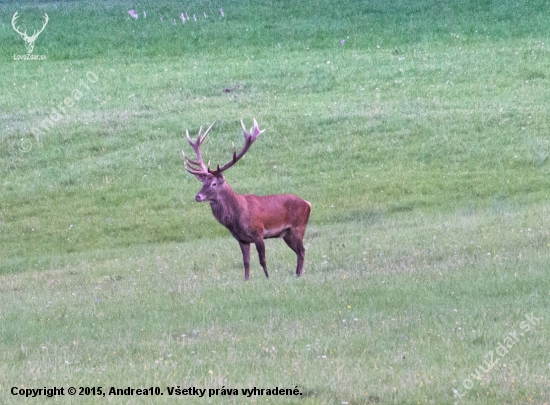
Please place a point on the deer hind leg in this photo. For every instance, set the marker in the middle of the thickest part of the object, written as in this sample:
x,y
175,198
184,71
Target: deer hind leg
x,y
260,247
245,248
293,239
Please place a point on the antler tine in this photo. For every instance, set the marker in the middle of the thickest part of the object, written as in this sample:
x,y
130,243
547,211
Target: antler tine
x,y
195,148
257,130
36,34
188,165
13,19
244,128
249,138
197,166
207,131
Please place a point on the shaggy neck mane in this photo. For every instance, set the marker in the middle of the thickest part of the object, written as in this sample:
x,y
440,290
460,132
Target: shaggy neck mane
x,y
226,206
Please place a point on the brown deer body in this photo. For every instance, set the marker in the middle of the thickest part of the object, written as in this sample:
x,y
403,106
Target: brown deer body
x,y
250,218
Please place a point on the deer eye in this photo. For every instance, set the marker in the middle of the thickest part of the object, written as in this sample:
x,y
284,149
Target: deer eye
x,y
214,184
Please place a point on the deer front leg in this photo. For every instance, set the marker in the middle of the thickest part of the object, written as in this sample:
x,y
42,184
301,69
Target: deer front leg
x,y
245,248
260,247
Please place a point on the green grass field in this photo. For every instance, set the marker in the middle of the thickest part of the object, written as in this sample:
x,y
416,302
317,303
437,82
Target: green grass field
x,y
418,130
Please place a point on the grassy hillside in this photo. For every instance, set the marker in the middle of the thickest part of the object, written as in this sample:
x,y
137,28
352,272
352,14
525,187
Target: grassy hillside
x,y
417,130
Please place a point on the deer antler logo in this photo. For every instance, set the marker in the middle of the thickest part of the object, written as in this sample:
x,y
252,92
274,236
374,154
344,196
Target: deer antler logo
x,y
29,40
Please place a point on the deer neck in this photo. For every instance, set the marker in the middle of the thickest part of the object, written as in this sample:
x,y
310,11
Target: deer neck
x,y
226,206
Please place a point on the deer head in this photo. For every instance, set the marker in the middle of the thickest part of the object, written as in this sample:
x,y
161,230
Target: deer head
x,y
213,181
29,41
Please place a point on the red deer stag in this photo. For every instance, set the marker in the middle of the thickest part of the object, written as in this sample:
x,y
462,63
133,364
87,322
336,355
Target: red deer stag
x,y
250,218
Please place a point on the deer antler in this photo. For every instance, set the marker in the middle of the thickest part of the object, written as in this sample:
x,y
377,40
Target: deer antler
x,y
249,138
15,17
24,34
36,34
197,166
